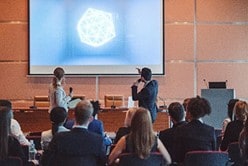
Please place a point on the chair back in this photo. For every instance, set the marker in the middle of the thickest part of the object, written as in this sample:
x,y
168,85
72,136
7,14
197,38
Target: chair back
x,y
131,159
113,100
234,153
206,158
11,161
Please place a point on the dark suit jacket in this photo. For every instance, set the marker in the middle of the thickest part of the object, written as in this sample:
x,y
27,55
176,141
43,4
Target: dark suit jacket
x,y
193,136
78,147
231,134
167,138
147,97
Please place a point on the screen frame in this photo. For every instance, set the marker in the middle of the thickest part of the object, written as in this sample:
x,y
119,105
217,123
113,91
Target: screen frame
x,y
131,72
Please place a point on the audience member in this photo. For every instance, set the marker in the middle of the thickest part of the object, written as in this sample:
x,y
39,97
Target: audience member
x,y
185,104
58,116
234,127
147,96
243,143
9,145
177,116
57,95
141,140
230,107
195,135
15,128
97,126
127,125
78,146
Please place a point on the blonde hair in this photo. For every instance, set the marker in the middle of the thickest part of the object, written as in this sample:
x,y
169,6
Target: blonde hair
x,y
240,110
142,136
129,116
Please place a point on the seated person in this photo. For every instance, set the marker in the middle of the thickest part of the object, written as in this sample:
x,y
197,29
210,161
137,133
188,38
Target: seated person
x,y
78,146
58,116
95,125
195,135
243,144
177,115
141,140
230,107
127,125
15,128
10,146
234,128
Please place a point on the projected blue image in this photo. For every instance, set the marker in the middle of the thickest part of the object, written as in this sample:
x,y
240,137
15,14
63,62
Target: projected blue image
x,y
95,32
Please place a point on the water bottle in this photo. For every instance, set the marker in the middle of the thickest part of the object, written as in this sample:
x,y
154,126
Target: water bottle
x,y
31,151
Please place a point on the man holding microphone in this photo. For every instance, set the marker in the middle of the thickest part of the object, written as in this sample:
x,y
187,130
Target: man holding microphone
x,y
147,96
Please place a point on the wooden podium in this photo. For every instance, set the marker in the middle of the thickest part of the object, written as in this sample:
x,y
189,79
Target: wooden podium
x,y
218,99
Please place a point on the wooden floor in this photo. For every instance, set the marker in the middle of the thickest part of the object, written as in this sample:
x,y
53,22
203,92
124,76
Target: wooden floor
x,y
38,120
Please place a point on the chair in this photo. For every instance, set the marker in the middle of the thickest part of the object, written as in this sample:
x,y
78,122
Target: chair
x,y
234,153
41,102
11,161
114,100
131,159
206,158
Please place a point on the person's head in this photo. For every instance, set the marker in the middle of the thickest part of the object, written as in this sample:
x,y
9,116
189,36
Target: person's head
x,y
58,76
5,117
240,110
146,74
58,116
185,105
230,107
83,112
96,107
198,107
129,116
142,135
176,112
7,103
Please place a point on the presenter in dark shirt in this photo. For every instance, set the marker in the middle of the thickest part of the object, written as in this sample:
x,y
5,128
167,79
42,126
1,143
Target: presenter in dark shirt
x,y
148,94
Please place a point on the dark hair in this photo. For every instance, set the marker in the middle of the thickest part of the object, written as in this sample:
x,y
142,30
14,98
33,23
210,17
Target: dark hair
x,y
230,107
176,111
6,103
146,73
58,75
5,117
96,107
83,111
57,117
198,107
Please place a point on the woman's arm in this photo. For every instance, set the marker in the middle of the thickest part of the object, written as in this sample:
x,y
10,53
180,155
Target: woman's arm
x,y
61,98
118,149
164,152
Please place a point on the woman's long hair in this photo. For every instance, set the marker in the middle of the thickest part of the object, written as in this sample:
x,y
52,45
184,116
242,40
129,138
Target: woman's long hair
x,y
142,136
5,117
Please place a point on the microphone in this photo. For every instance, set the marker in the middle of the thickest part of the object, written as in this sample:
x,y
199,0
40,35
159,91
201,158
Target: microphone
x,y
113,105
70,89
164,106
206,84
